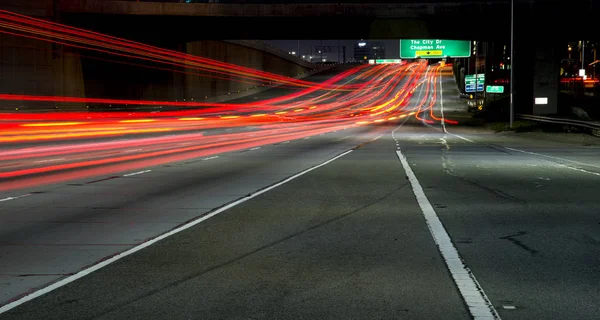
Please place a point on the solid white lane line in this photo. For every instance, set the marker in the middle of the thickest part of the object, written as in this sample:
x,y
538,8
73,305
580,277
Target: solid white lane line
x,y
135,173
255,148
210,158
477,302
152,241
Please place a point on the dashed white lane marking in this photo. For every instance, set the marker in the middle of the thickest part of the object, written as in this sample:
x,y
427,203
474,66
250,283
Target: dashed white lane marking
x,y
152,241
210,158
475,298
49,160
285,142
135,173
255,148
14,198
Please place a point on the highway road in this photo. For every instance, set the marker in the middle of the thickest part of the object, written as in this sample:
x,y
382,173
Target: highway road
x,y
416,217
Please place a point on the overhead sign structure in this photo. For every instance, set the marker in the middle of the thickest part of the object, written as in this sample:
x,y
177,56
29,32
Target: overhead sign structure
x,y
494,89
470,82
434,48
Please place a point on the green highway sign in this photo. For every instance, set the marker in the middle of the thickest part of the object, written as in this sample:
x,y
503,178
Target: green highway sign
x,y
388,61
471,77
494,89
470,82
434,48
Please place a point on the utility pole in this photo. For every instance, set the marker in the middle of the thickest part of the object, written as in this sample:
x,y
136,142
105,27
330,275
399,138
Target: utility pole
x,y
512,62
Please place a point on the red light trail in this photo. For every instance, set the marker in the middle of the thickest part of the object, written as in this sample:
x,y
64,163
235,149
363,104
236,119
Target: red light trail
x,y
183,130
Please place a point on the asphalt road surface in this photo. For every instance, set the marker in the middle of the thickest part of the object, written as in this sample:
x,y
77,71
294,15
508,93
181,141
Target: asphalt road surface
x,y
351,239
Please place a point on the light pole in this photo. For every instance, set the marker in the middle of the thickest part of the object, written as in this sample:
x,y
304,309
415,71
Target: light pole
x,y
512,62
583,55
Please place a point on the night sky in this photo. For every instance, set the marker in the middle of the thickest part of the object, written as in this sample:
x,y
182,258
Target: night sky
x,y
392,47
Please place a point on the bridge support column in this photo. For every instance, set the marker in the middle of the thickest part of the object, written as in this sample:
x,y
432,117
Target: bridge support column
x,y
537,72
546,72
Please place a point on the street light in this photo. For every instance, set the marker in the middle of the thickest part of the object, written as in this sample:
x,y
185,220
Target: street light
x,y
512,62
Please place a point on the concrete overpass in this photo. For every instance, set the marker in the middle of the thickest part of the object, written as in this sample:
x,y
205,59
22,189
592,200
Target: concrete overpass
x,y
540,26
471,19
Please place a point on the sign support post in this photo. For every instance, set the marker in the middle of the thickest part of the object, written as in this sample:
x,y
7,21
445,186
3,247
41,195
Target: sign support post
x,y
512,62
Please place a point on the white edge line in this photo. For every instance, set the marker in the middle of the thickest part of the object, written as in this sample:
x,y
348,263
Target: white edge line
x,y
553,157
442,114
150,242
560,159
442,105
475,298
7,199
135,173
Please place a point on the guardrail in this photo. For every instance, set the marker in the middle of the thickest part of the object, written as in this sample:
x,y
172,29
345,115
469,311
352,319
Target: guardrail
x,y
569,122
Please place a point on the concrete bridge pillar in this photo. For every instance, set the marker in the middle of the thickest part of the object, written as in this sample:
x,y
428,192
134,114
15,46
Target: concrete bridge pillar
x,y
546,72
537,61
